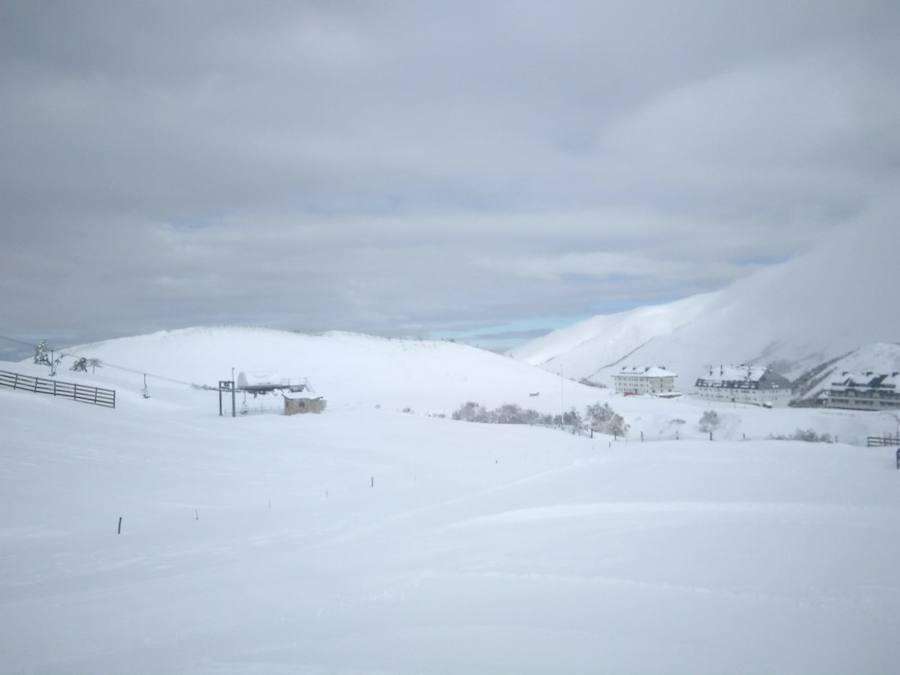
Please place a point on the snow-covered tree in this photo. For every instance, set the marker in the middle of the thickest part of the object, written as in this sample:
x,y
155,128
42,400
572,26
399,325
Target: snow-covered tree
x,y
573,420
605,420
42,354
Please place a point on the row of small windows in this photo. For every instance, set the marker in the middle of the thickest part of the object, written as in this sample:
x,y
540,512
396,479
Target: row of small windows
x,y
885,404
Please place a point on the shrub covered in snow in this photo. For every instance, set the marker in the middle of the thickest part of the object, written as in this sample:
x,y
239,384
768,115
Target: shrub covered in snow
x,y
472,412
808,436
709,421
600,418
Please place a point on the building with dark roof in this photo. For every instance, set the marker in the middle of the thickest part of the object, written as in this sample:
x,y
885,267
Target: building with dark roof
x,y
864,391
756,385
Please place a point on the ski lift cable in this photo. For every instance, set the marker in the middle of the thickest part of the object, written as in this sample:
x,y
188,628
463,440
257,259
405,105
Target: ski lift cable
x,y
107,364
21,342
136,371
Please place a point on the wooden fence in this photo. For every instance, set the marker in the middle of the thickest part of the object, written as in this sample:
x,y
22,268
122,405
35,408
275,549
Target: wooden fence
x,y
882,441
76,392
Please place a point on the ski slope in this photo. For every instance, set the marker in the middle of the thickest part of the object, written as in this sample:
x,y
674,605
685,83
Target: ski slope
x,y
368,540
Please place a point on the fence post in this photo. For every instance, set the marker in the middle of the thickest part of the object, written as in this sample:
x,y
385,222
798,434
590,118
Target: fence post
x,y
16,381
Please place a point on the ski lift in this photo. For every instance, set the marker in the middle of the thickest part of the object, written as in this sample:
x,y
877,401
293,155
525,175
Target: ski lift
x,y
244,408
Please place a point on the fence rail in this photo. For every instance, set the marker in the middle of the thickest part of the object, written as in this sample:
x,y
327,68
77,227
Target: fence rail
x,y
76,392
882,441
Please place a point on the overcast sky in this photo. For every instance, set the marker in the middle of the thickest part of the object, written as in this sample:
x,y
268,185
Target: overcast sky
x,y
424,168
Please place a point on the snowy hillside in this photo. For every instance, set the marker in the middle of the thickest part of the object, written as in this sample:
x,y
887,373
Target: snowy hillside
x,y
350,370
366,540
423,378
608,340
796,315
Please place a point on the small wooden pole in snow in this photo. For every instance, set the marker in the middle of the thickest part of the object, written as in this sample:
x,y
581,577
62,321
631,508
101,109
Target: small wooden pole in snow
x,y
119,530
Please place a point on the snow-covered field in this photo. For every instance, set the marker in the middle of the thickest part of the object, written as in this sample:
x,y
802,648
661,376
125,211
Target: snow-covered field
x,y
260,544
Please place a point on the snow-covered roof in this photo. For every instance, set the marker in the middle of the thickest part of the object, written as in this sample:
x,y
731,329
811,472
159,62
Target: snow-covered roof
x,y
742,377
262,381
646,371
732,373
296,395
867,380
261,378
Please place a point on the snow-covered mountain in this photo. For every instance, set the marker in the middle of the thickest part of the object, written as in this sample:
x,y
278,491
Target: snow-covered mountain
x,y
795,316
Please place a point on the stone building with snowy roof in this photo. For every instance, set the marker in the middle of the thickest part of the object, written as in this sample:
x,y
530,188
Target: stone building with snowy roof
x,y
633,380
296,403
756,385
864,391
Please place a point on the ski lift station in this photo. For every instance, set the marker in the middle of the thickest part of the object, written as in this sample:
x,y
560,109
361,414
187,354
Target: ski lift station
x,y
297,393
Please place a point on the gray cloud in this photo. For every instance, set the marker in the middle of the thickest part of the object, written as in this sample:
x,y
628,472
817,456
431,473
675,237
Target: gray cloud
x,y
407,168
